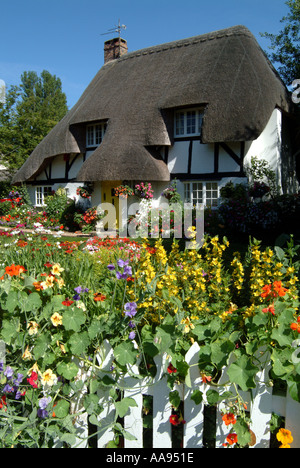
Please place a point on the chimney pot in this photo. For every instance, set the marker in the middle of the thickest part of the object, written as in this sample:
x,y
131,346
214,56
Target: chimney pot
x,y
114,49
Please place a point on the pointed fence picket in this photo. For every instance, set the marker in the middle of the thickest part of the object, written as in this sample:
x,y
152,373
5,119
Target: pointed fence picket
x,y
261,401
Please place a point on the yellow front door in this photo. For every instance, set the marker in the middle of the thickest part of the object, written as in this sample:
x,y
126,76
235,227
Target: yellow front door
x,y
108,196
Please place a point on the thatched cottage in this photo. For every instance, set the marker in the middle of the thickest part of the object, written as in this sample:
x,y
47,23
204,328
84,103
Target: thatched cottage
x,y
196,110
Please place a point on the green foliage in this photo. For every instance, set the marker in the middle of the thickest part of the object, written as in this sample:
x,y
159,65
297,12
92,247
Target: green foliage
x,y
31,110
285,45
47,327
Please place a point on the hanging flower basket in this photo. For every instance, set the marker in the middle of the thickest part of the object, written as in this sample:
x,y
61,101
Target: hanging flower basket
x,y
84,192
123,191
144,190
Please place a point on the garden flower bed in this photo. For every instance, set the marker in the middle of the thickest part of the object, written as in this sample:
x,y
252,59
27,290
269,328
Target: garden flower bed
x,y
60,301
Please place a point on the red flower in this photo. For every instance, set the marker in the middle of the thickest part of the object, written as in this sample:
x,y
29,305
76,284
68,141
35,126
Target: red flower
x,y
67,302
229,418
33,379
175,420
3,402
171,369
231,439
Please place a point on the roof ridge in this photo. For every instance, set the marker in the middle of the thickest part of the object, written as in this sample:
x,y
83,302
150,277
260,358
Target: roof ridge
x,y
218,34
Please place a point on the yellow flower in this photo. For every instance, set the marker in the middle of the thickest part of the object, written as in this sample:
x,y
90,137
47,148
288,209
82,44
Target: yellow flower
x,y
48,378
60,282
56,319
32,328
187,325
56,269
285,437
49,283
27,355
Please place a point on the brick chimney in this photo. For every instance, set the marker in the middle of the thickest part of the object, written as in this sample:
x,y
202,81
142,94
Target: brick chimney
x,y
114,49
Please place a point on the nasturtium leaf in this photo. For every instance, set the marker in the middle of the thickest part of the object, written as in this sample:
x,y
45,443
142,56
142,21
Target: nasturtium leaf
x,y
61,409
33,302
73,318
10,329
174,398
68,370
123,406
242,373
125,353
197,397
79,342
41,345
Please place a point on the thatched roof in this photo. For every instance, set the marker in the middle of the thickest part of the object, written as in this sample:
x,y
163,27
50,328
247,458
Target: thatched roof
x,y
225,71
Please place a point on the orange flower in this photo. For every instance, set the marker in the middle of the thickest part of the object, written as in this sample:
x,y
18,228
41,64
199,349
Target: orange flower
x,y
267,289
14,270
206,378
229,418
279,289
38,286
67,302
270,309
296,326
275,290
285,437
99,297
231,438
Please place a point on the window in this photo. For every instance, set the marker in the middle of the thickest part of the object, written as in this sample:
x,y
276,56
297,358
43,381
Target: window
x,y
95,134
40,194
206,193
188,122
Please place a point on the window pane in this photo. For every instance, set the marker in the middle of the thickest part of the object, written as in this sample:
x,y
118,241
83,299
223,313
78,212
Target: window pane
x,y
38,195
197,195
187,193
191,122
98,134
90,135
179,124
212,194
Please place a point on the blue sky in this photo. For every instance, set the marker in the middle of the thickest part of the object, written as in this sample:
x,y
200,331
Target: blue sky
x,y
65,36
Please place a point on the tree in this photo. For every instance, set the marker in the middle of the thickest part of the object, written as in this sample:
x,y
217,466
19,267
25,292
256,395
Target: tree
x,y
31,110
286,44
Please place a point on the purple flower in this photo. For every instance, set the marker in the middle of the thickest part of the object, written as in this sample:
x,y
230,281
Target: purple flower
x,y
1,366
128,270
18,380
43,403
121,263
8,389
8,372
130,309
131,335
111,267
76,297
131,324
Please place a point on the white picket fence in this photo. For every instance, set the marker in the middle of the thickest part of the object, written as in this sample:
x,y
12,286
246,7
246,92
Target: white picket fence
x,y
261,404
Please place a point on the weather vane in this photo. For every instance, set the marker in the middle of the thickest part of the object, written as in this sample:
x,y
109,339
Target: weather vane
x,y
116,29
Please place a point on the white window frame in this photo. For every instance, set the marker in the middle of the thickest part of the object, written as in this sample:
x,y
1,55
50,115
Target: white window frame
x,y
188,122
94,134
41,191
205,193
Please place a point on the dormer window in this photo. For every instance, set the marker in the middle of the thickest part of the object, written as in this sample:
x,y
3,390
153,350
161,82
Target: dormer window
x,y
188,122
95,134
